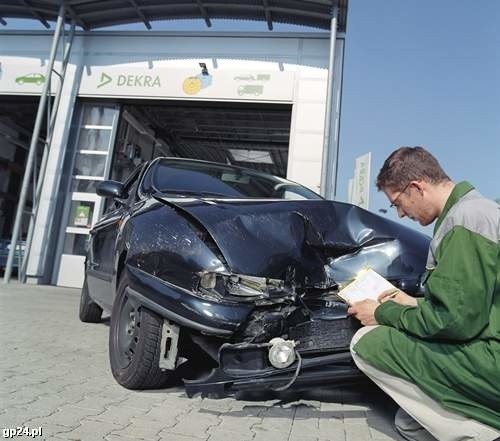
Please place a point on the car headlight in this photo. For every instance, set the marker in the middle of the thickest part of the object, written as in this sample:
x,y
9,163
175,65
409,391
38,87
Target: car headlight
x,y
249,286
242,286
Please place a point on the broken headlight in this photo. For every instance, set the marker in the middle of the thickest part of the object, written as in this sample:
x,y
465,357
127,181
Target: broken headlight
x,y
241,286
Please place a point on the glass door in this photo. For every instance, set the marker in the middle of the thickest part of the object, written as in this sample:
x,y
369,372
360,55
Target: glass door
x,y
92,159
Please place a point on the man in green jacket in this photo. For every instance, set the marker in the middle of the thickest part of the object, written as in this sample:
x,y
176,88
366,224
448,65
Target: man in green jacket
x,y
438,356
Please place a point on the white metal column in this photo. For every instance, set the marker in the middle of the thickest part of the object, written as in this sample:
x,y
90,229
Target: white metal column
x,y
45,222
332,114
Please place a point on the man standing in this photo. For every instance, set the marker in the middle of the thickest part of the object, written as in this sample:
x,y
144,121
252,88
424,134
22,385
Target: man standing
x,y
438,357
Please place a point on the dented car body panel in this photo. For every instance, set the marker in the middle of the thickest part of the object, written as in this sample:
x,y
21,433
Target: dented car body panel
x,y
236,272
264,238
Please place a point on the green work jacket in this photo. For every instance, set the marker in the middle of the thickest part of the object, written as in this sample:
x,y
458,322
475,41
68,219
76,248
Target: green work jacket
x,y
449,345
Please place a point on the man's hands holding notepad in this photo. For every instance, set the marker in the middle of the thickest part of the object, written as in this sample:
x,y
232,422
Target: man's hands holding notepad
x,y
398,296
366,293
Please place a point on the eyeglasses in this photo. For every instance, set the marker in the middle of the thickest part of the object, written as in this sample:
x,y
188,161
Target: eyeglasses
x,y
394,202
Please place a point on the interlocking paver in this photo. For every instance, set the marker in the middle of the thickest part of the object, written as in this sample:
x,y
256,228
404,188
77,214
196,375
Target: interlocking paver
x,y
263,432
283,425
13,417
181,437
238,425
193,425
222,405
220,434
68,415
57,376
141,429
357,432
96,403
300,437
11,399
166,415
17,382
142,402
89,430
117,415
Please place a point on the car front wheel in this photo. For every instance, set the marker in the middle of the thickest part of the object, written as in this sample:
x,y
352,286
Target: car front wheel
x,y
135,343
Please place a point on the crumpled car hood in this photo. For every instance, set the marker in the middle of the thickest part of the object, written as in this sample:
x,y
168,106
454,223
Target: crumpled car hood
x,y
278,238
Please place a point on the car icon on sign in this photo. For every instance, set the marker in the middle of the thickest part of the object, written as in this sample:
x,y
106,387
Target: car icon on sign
x,y
36,78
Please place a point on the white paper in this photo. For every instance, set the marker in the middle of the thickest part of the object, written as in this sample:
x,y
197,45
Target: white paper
x,y
367,285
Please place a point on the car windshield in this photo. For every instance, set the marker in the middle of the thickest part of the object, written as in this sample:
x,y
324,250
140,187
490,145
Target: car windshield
x,y
212,180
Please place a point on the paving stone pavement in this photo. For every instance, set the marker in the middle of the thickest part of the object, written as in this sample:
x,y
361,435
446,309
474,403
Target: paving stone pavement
x,y
54,374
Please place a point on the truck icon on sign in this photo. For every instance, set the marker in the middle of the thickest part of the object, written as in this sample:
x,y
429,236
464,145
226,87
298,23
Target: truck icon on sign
x,y
251,89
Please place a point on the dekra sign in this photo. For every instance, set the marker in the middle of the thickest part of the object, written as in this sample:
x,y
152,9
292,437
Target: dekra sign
x,y
130,80
138,81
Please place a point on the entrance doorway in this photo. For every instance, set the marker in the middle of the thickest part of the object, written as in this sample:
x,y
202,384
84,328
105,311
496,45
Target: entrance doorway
x,y
111,139
17,118
253,135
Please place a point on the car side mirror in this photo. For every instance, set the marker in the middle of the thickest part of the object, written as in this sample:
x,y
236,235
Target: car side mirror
x,y
111,189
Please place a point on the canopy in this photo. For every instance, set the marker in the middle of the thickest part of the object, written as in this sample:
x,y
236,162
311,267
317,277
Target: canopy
x,y
93,14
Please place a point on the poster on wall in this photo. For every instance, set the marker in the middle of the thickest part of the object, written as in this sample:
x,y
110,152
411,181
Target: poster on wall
x,y
82,216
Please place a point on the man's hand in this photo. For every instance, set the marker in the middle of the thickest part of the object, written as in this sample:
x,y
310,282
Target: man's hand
x,y
397,296
364,311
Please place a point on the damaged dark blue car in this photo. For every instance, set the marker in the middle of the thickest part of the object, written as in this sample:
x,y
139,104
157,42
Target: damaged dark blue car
x,y
230,276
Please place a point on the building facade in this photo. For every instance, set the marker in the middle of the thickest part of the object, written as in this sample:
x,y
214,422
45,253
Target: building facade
x,y
251,99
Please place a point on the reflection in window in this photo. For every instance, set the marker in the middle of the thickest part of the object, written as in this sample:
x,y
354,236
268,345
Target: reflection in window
x,y
94,139
182,177
75,244
84,185
98,115
89,165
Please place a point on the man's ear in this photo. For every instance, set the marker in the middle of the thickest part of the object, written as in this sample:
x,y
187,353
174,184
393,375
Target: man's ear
x,y
420,186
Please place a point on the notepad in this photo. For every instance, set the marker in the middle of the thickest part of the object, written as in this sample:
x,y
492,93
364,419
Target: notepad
x,y
367,285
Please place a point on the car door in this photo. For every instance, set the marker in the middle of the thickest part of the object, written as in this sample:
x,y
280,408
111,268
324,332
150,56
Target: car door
x,y
101,257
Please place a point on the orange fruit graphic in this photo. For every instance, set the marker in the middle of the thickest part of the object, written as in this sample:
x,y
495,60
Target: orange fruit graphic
x,y
191,85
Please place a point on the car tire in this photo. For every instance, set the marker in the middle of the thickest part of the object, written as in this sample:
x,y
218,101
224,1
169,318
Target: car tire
x,y
135,343
90,312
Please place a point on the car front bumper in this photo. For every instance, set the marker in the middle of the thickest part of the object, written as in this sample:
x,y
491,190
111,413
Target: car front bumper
x,y
245,367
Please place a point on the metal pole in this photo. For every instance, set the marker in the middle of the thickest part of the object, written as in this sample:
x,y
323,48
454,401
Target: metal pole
x,y
66,54
43,165
335,142
32,150
329,101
